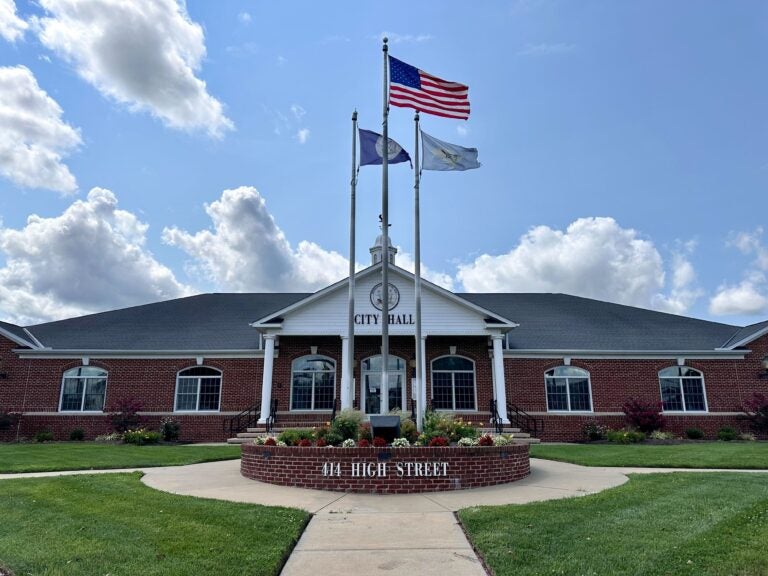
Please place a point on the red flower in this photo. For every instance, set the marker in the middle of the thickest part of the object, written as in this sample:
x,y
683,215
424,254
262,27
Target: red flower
x,y
379,442
363,443
321,442
304,443
438,441
270,442
486,440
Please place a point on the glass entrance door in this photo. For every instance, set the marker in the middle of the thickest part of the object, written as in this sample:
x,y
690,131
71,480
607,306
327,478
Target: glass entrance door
x,y
371,393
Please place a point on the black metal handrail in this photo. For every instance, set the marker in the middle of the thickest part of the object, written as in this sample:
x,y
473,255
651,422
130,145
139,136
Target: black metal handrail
x,y
272,418
413,409
498,423
521,419
248,418
333,412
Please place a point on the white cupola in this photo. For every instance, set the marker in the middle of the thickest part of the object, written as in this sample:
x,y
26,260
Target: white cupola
x,y
377,250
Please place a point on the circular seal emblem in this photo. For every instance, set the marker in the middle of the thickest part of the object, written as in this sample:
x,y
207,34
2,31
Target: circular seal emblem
x,y
377,296
392,150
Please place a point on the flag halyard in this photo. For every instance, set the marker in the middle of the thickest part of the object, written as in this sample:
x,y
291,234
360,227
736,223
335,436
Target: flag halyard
x,y
410,87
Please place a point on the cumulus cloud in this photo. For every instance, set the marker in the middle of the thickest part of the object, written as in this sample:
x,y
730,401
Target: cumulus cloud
x,y
247,251
11,26
405,261
33,137
593,257
303,135
750,296
142,53
90,258
684,291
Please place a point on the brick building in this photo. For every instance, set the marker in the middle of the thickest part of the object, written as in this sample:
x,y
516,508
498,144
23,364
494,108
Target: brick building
x,y
205,359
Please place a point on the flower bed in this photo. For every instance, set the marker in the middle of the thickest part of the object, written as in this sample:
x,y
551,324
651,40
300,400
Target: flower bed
x,y
386,470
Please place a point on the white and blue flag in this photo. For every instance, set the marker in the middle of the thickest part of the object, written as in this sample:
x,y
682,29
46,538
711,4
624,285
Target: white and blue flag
x,y
372,149
439,155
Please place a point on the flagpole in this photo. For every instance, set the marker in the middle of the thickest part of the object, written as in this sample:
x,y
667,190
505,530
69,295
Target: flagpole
x,y
384,388
348,393
417,274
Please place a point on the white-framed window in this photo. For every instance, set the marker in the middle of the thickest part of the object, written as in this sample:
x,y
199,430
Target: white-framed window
x,y
83,389
313,383
453,383
198,389
682,389
568,389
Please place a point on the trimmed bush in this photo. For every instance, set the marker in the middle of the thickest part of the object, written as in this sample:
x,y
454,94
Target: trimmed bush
x,y
77,435
44,436
347,424
141,437
293,436
694,433
645,416
625,436
726,434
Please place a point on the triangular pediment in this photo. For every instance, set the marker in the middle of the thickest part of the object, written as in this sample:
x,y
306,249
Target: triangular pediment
x,y
326,312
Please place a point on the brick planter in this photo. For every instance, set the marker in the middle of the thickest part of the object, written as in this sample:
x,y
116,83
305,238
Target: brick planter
x,y
385,470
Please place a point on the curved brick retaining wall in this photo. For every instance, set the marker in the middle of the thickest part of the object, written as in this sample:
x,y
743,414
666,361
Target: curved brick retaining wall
x,y
385,470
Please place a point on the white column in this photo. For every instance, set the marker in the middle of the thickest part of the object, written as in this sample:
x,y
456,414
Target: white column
x,y
266,380
498,369
346,385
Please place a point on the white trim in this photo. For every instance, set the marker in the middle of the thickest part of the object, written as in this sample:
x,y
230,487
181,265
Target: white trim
x,y
263,323
627,354
453,382
11,336
35,340
197,393
137,354
748,339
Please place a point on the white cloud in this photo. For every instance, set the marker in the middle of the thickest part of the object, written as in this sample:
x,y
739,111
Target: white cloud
x,y
546,49
303,135
298,112
684,292
247,251
396,38
11,26
90,258
750,296
405,261
33,137
593,257
462,130
244,18
142,53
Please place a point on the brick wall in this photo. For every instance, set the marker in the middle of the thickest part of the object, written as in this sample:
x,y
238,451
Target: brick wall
x,y
465,467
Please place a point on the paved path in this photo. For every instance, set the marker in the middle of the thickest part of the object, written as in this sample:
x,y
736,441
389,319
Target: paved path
x,y
380,534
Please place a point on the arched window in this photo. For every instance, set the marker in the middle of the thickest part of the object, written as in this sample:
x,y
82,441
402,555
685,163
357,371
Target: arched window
x,y
568,389
313,383
453,383
83,389
682,389
198,389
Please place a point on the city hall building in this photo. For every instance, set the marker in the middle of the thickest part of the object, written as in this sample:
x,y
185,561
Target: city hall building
x,y
219,362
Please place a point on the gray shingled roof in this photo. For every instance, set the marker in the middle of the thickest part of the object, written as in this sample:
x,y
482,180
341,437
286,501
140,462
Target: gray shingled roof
x,y
547,321
17,331
563,322
203,322
746,332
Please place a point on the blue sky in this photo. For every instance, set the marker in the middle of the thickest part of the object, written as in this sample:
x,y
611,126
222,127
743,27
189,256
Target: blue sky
x,y
624,150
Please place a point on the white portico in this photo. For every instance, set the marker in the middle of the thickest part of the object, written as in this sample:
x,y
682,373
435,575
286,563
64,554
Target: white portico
x,y
325,313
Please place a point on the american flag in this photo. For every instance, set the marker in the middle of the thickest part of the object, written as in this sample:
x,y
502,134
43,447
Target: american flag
x,y
410,87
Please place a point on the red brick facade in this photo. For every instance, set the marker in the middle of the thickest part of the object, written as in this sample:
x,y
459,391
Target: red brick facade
x,y
472,467
32,387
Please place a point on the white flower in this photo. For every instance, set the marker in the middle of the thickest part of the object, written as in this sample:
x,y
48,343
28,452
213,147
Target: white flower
x,y
400,443
467,442
348,443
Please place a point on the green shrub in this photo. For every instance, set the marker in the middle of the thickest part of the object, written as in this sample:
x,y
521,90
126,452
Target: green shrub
x,y
347,424
593,430
141,437
625,436
334,438
44,436
320,432
408,430
694,433
447,425
292,436
169,429
77,435
659,435
726,434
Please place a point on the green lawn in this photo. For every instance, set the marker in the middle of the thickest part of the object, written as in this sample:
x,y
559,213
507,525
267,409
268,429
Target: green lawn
x,y
742,455
658,524
92,456
112,524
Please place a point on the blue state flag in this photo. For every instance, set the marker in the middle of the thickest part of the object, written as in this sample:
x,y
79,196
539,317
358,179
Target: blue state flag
x,y
372,147
439,155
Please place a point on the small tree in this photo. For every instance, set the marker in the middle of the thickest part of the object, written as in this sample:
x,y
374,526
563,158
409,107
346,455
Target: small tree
x,y
645,416
125,414
756,410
